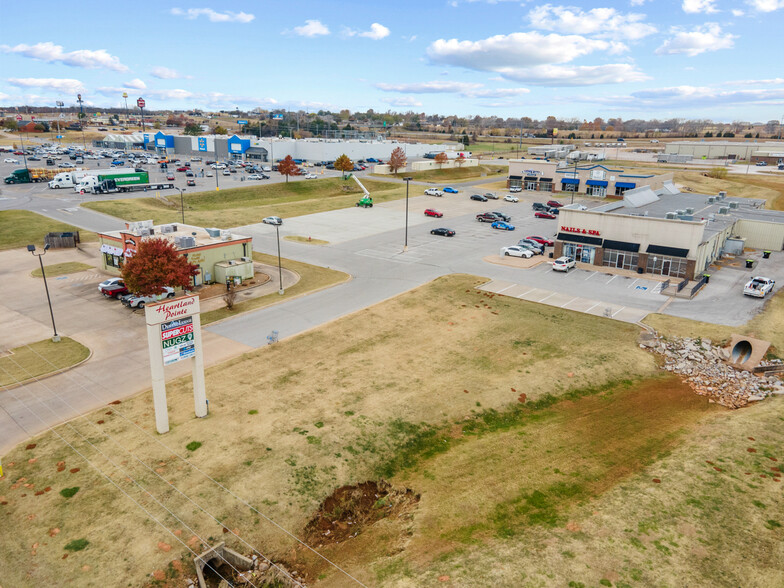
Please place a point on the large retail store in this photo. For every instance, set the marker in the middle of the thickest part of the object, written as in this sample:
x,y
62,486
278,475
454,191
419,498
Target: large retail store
x,y
666,232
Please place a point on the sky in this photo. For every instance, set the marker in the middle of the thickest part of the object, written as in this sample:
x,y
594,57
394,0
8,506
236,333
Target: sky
x,y
703,59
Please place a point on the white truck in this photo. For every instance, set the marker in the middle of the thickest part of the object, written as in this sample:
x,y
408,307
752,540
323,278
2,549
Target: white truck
x,y
759,286
67,179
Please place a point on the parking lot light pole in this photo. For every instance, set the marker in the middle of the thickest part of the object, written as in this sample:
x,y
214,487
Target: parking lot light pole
x,y
405,245
280,269
31,249
182,203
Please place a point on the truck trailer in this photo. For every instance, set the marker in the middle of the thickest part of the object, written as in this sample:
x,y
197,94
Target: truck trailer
x,y
110,186
122,178
68,179
28,175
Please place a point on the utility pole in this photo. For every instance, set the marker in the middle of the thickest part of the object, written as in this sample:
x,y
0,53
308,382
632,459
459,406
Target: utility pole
x,y
520,143
81,119
60,105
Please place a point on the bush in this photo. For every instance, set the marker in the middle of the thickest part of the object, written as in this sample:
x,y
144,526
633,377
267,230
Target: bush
x,y
193,445
718,173
77,545
68,492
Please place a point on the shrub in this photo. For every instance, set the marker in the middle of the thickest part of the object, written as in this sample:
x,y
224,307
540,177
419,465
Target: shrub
x,y
193,445
77,545
718,173
68,492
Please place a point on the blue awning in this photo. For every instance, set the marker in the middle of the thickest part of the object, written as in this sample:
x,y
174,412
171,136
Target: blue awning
x,y
574,181
629,185
601,183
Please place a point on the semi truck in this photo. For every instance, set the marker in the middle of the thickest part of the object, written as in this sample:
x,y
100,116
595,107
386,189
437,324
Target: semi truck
x,y
28,175
110,186
68,179
122,178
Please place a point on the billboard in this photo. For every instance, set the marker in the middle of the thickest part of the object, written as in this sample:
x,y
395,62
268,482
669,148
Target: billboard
x,y
177,340
202,143
242,122
277,117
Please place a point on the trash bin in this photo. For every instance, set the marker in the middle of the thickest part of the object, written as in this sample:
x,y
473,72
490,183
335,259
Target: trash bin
x,y
749,263
765,254
551,255
707,277
640,270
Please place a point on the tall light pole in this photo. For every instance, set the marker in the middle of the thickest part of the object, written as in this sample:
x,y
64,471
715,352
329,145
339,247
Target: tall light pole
x,y
60,105
81,118
280,268
405,244
31,249
127,117
182,203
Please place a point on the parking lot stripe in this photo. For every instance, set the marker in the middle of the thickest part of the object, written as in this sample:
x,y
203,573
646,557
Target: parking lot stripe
x,y
568,303
592,274
550,295
526,293
617,311
594,306
611,279
633,283
505,289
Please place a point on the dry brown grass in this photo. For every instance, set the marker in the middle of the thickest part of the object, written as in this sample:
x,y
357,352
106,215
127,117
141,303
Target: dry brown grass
x,y
24,362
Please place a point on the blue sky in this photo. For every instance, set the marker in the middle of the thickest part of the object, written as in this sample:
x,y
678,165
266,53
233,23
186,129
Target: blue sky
x,y
635,59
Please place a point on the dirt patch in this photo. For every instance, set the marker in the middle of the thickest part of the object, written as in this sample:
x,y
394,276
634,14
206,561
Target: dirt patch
x,y
350,509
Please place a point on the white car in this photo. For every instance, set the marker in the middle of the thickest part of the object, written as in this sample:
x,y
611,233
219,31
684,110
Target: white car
x,y
208,174
564,264
517,251
10,160
273,220
226,172
109,282
137,301
433,192
310,176
510,198
759,286
516,189
254,177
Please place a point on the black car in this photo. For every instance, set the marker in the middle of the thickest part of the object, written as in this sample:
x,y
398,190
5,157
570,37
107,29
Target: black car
x,y
478,197
540,207
443,232
487,217
501,216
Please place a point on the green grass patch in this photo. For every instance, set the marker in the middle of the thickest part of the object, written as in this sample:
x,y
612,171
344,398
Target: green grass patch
x,y
193,445
77,545
69,492
40,359
253,411
241,206
19,228
455,174
308,240
61,269
311,278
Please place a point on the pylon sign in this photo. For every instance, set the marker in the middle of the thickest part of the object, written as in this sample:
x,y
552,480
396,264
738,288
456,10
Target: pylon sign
x,y
174,334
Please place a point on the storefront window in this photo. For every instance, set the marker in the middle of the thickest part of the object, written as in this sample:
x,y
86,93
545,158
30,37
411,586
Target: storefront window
x,y
546,186
580,252
621,259
112,260
515,183
599,191
620,191
569,187
666,266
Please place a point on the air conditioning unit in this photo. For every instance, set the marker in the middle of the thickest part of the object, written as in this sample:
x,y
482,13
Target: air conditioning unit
x,y
671,215
144,232
733,205
166,229
212,232
724,210
711,199
722,195
680,212
689,211
232,262
245,258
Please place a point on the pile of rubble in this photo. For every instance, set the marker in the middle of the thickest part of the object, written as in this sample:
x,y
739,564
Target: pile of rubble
x,y
703,365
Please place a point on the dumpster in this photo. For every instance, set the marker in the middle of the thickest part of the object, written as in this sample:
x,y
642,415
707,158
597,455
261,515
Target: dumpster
x,y
765,254
749,263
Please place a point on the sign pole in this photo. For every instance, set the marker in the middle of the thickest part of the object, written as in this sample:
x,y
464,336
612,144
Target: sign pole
x,y
199,390
158,380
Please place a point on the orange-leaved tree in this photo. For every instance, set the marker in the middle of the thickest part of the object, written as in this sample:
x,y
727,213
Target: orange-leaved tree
x,y
156,264
287,167
441,159
344,164
461,159
397,160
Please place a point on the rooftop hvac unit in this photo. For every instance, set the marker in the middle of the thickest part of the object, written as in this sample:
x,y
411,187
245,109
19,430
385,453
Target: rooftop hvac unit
x,y
212,232
689,211
733,205
711,199
680,212
166,229
671,215
724,210
722,195
144,232
186,242
225,236
177,240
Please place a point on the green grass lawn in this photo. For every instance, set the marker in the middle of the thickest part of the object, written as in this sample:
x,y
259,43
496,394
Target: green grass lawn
x,y
242,206
38,359
61,269
19,228
457,174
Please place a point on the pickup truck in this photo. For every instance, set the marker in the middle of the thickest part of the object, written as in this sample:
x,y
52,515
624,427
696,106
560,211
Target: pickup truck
x,y
115,290
759,287
138,301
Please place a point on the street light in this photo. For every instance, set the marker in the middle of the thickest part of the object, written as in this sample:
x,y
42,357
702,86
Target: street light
x,y
280,269
182,203
31,249
405,245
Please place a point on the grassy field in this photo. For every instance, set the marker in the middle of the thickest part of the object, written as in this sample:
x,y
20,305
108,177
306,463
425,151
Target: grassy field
x,y
312,278
19,228
242,206
61,269
457,174
25,362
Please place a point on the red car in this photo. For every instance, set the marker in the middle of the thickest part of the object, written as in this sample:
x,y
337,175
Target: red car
x,y
554,204
541,240
183,169
433,212
170,177
540,214
190,183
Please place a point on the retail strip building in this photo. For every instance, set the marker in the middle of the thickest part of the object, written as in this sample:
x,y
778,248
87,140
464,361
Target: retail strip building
x,y
666,232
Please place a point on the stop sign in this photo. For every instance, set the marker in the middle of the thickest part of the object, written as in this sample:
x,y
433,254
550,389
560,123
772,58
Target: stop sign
x,y
18,117
140,103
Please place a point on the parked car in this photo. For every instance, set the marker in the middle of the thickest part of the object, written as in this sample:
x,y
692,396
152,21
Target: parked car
x,y
503,226
433,192
138,301
478,197
502,216
486,217
226,172
554,204
510,198
762,163
190,174
555,211
254,177
190,182
535,245
539,206
112,288
310,176
564,264
273,220
183,169
515,189
517,251
541,240
170,177
759,286
450,190
443,232
433,212
10,160
208,174
531,248
490,195
540,214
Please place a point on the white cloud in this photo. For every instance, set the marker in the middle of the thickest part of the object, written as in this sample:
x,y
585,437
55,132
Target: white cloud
x,y
496,93
637,2
4,96
166,73
766,5
52,53
600,22
403,101
65,86
705,96
437,87
376,32
311,28
213,16
580,75
708,37
135,84
738,13
699,6
175,94
517,50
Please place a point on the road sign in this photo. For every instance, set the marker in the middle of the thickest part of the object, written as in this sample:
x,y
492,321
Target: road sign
x,y
59,137
18,117
177,340
242,122
140,103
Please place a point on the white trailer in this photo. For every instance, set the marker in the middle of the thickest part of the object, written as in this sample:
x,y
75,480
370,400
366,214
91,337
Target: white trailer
x,y
67,179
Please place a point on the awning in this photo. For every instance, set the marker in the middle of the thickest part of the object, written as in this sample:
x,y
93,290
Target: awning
x,y
580,239
545,179
575,181
669,251
515,177
111,250
621,245
628,185
601,183
531,178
